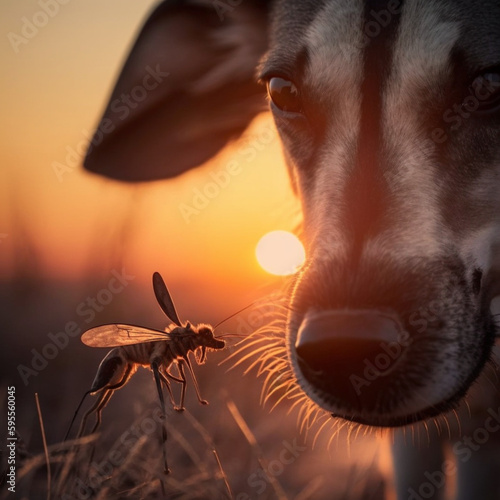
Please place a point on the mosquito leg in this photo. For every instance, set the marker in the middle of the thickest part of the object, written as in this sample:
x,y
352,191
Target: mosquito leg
x,y
103,399
181,381
98,411
166,383
63,481
98,415
196,387
103,396
180,366
177,379
74,416
111,390
156,373
94,407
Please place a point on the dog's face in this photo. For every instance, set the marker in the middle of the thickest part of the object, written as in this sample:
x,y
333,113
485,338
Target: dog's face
x,y
389,114
390,118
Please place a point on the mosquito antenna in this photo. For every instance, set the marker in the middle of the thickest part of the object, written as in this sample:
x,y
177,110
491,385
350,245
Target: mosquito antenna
x,y
74,416
231,336
234,314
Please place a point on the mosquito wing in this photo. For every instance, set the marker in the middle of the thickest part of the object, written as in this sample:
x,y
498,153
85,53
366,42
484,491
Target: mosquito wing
x,y
115,335
164,299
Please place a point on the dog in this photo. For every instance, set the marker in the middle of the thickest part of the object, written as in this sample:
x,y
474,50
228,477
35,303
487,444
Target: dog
x,y
389,116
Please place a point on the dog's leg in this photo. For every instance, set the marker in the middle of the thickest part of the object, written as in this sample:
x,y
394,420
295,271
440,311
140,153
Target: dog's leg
x,y
478,477
416,462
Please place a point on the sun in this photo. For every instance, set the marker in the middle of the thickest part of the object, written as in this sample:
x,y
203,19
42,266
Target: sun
x,y
280,253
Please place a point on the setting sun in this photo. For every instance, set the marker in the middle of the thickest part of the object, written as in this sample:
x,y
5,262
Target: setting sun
x,y
280,253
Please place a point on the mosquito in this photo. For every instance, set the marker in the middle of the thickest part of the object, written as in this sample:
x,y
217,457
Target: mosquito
x,y
158,350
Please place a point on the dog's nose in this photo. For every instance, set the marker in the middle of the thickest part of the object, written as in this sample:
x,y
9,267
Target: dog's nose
x,y
348,354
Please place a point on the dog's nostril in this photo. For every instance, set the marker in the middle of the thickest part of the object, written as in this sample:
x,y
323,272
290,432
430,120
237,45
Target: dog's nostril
x,y
348,354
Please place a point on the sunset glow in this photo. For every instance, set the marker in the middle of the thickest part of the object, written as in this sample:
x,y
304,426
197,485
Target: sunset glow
x,y
280,253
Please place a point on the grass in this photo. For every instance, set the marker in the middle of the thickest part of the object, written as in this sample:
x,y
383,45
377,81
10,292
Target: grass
x,y
130,466
234,448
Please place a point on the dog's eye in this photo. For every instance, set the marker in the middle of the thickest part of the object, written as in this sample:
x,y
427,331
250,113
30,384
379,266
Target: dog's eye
x,y
485,93
284,94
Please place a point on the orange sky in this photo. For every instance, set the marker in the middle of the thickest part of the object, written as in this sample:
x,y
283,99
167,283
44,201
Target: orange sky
x,y
53,90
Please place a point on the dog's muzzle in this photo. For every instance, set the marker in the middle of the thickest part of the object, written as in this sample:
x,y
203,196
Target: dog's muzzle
x,y
388,346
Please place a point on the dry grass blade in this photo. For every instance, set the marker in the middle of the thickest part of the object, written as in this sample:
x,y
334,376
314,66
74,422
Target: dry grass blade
x,y
45,449
280,494
223,474
36,461
311,490
209,442
189,450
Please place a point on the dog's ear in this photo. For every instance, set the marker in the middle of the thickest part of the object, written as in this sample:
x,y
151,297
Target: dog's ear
x,y
187,88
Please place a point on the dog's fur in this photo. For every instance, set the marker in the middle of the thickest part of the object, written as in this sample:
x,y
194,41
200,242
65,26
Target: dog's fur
x,y
392,139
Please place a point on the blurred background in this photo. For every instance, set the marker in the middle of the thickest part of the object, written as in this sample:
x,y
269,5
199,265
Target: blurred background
x,y
66,234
